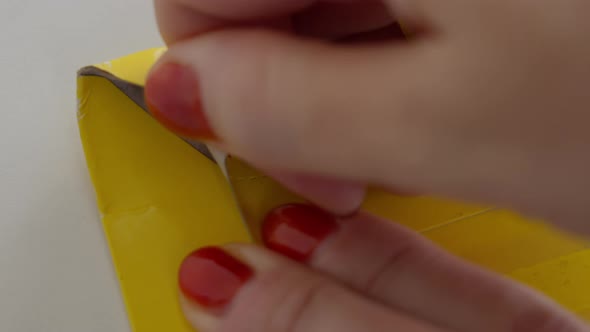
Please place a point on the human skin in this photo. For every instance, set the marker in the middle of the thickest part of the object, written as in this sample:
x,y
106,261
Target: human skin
x,y
488,102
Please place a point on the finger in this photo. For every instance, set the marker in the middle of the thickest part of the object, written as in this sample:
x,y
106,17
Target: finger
x,y
179,20
300,106
236,10
339,20
401,269
244,288
430,15
338,196
389,33
182,19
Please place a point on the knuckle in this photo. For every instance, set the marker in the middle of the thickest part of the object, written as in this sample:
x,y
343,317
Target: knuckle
x,y
292,312
244,72
291,96
282,300
246,75
407,250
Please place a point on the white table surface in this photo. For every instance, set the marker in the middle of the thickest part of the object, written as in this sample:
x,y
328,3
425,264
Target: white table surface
x,y
55,268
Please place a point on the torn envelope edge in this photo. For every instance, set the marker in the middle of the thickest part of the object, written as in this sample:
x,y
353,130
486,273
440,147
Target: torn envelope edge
x,y
135,92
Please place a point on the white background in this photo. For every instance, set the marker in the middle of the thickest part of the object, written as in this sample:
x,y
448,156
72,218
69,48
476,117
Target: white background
x,y
55,269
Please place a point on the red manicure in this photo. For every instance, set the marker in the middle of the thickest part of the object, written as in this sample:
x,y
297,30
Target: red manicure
x,y
173,96
211,277
296,230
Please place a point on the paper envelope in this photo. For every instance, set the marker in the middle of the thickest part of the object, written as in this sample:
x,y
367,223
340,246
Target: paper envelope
x,y
160,198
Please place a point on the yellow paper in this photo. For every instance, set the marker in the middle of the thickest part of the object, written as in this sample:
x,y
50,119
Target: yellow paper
x,y
160,199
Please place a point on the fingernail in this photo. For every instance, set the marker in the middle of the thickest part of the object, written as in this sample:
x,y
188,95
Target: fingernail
x,y
211,277
296,230
173,97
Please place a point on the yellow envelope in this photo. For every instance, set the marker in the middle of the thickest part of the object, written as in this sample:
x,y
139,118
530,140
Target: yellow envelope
x,y
160,198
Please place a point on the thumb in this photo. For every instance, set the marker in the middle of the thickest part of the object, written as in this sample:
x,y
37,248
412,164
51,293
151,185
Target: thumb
x,y
295,105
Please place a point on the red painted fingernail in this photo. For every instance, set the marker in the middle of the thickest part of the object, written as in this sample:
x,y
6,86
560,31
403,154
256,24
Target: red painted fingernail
x,y
211,277
173,96
296,230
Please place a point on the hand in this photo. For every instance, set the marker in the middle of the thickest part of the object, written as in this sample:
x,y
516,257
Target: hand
x,y
355,274
487,102
333,20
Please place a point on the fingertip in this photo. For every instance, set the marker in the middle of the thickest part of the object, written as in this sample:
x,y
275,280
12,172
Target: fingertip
x,y
196,317
340,197
209,279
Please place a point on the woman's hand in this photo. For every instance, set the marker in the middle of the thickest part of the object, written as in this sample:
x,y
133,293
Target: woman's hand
x,y
344,21
488,101
349,275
